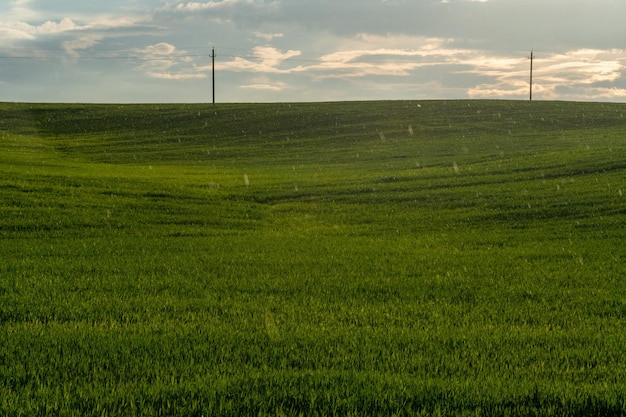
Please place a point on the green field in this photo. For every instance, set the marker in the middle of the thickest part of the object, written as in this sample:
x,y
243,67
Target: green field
x,y
448,258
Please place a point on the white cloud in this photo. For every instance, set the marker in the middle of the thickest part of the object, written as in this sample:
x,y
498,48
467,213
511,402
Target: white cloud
x,y
268,36
16,30
199,6
104,22
84,42
177,76
264,59
158,50
49,27
266,86
578,71
22,30
164,61
373,56
272,57
87,35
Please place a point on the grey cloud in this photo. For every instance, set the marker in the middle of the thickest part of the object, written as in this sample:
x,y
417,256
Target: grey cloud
x,y
348,18
496,25
539,24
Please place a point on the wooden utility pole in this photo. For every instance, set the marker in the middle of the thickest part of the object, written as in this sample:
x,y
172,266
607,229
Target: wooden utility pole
x,y
213,71
531,75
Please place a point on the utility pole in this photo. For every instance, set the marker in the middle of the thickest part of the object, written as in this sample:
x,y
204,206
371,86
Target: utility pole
x,y
531,75
213,72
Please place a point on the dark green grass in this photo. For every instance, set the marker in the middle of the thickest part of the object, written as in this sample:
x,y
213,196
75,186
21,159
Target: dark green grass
x,y
376,258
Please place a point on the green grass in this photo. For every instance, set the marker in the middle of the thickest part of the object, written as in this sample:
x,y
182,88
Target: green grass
x,y
448,258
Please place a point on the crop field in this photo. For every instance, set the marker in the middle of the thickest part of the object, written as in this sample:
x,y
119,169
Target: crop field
x,y
446,258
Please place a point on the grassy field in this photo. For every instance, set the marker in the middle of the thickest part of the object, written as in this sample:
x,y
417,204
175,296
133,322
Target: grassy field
x,y
450,258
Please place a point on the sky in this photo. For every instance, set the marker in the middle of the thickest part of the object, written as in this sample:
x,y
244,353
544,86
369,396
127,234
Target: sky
x,y
143,51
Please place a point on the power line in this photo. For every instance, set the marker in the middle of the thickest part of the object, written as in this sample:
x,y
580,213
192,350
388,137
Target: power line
x,y
67,54
96,53
87,58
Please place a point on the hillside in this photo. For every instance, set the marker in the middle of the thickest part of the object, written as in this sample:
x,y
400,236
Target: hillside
x,y
364,258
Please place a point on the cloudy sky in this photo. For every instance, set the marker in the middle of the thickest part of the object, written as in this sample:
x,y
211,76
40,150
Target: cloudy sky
x,y
310,50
